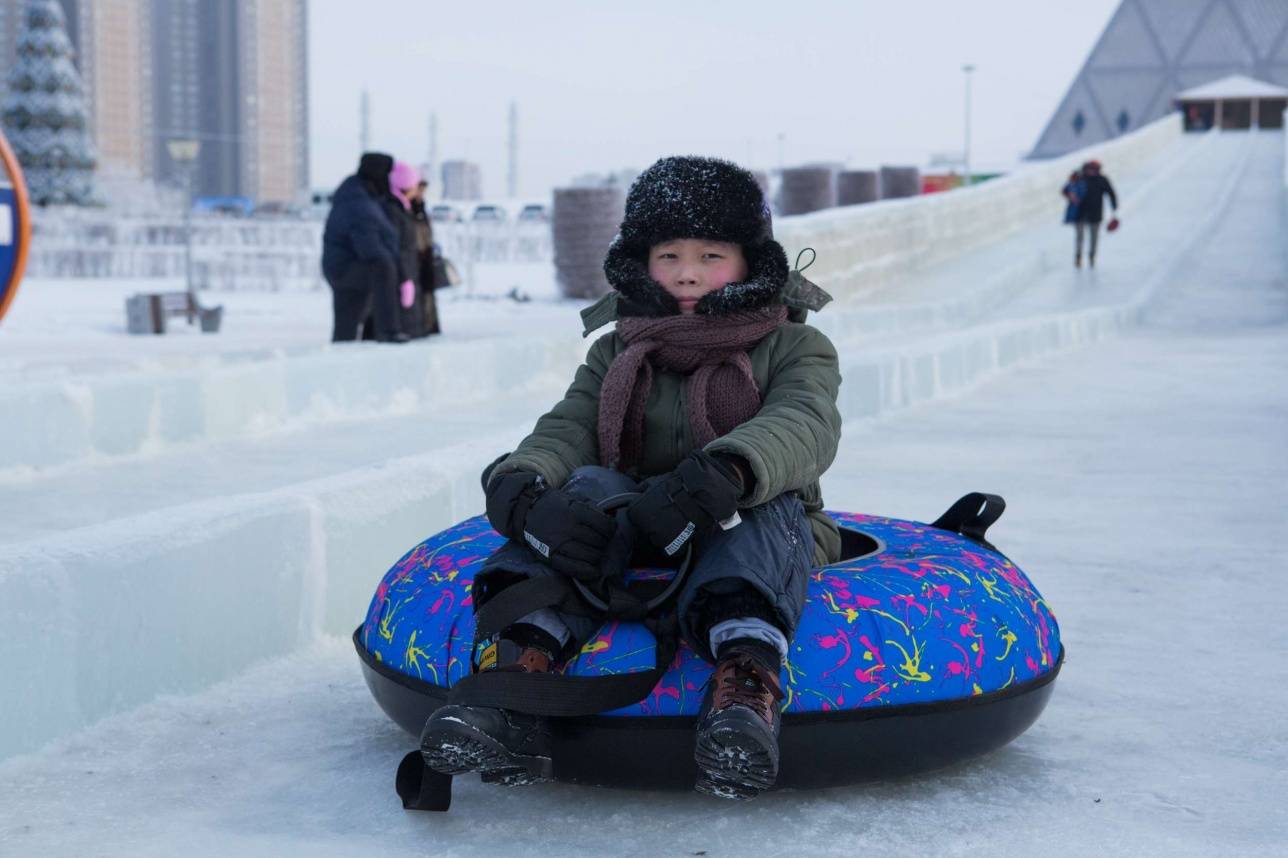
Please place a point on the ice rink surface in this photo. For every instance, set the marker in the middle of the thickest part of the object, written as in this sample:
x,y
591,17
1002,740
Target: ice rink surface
x,y
1147,483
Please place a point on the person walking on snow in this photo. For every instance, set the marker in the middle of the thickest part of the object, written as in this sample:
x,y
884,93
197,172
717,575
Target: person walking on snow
x,y
1091,211
1073,191
360,254
720,412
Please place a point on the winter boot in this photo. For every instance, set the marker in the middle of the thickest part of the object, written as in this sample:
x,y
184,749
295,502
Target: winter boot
x,y
737,739
1077,261
506,747
1091,261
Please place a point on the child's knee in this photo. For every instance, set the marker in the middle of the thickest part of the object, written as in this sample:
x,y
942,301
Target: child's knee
x,y
595,483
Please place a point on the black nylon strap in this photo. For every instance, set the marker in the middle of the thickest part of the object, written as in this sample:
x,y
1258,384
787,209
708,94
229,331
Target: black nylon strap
x,y
522,598
972,515
557,695
420,787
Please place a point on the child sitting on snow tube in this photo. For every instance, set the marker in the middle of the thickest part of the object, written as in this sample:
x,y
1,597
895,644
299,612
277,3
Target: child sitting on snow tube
x,y
713,407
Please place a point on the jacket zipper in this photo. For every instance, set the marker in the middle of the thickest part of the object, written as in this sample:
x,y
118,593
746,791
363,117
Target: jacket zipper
x,y
679,426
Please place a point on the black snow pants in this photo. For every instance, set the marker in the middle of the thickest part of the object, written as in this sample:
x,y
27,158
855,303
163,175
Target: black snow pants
x,y
768,556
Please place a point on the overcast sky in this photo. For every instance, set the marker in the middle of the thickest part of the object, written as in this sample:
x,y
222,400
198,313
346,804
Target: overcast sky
x,y
606,85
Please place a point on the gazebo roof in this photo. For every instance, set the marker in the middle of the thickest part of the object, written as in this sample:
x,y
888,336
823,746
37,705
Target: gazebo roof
x,y
1234,86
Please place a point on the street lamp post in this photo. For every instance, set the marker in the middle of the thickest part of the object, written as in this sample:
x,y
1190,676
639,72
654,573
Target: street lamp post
x,y
967,69
184,153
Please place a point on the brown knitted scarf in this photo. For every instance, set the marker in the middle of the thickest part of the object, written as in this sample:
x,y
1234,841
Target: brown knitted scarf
x,y
711,350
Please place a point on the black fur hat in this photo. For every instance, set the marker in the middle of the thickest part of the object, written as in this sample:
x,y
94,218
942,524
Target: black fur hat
x,y
693,197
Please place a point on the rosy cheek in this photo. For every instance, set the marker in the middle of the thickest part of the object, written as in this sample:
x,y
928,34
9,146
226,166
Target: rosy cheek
x,y
728,273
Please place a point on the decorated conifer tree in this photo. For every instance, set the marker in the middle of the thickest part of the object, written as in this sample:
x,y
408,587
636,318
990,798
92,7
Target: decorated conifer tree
x,y
44,115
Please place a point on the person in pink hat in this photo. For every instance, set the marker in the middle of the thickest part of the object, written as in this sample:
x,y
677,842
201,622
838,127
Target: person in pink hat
x,y
404,184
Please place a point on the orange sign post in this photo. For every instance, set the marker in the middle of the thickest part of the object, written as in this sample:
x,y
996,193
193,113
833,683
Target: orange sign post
x,y
15,226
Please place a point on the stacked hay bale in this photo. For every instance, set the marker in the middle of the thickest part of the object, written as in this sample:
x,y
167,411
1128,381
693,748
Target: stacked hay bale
x,y
897,182
584,222
806,189
857,186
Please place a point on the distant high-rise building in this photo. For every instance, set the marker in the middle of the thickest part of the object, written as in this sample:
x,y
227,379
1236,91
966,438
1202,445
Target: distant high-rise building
x,y
274,97
115,41
462,180
232,74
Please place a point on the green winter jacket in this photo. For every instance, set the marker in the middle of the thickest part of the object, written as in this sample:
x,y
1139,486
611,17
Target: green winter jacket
x,y
788,444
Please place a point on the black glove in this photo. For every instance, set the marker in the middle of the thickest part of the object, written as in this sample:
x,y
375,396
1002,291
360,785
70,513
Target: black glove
x,y
689,501
569,533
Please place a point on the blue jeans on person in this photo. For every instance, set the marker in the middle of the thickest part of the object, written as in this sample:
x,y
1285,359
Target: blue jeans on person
x,y
769,553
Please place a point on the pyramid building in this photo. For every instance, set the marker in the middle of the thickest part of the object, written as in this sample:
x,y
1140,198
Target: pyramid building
x,y
1153,49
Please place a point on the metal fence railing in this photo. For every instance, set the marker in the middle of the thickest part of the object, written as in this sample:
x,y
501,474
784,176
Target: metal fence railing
x,y
234,253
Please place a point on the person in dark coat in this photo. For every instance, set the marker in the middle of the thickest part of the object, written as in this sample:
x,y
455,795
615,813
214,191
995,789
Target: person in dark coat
x,y
360,254
404,179
429,282
1091,211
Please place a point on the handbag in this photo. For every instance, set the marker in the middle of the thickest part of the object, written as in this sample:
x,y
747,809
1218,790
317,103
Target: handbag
x,y
445,273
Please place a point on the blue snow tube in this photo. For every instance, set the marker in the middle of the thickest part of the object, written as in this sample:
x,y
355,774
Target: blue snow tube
x,y
922,647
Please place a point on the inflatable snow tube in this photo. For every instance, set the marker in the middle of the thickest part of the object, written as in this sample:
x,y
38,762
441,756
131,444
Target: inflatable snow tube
x,y
920,649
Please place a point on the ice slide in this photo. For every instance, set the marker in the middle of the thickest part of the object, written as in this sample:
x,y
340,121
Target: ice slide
x,y
176,599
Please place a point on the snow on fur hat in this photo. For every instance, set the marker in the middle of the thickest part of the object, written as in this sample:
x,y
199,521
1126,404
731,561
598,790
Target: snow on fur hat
x,y
403,175
694,197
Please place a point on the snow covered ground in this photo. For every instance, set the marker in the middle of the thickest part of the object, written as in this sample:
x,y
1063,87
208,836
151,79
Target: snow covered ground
x,y
1147,483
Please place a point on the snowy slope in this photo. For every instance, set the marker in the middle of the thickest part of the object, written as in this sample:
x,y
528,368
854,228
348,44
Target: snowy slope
x,y
1164,737
1146,479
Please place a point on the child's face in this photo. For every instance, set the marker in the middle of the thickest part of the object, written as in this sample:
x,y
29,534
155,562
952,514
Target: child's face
x,y
689,268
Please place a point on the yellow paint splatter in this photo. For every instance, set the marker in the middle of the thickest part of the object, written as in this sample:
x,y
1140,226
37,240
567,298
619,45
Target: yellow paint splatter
x,y
1010,678
990,584
412,657
1010,638
911,667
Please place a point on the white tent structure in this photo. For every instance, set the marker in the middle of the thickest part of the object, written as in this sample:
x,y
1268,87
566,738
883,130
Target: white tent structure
x,y
1233,103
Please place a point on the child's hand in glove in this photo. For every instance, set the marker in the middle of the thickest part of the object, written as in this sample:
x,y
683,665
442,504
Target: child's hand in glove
x,y
702,491
569,533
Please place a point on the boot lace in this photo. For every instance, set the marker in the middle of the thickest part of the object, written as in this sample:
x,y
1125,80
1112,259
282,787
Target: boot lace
x,y
742,680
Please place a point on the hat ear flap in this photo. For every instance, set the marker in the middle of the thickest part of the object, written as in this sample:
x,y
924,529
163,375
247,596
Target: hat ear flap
x,y
762,287
626,272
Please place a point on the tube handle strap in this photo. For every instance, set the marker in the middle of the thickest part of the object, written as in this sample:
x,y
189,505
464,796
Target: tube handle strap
x,y
972,515
420,787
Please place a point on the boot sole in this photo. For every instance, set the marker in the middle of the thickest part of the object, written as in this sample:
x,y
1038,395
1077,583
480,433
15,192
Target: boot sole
x,y
733,764
453,747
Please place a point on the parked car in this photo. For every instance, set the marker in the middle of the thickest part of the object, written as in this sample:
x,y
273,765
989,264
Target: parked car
x,y
444,213
488,212
238,206
534,212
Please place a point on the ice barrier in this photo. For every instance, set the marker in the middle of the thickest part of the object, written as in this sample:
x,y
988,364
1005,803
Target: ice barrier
x,y
85,418
862,248
109,616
